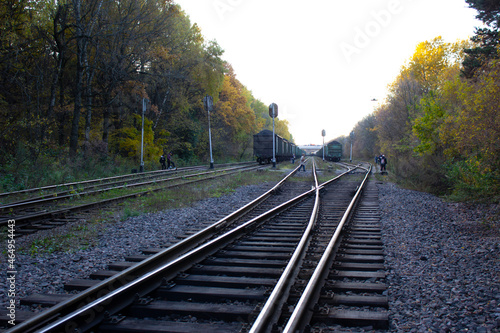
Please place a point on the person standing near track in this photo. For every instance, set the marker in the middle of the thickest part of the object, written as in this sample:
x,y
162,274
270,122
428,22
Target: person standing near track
x,y
162,162
303,162
383,163
169,161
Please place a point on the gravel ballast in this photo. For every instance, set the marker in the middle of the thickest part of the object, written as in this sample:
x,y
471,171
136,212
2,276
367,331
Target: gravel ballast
x,y
443,259
443,263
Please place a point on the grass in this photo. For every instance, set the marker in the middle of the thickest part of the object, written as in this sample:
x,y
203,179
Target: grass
x,y
385,178
129,212
77,237
185,196
83,235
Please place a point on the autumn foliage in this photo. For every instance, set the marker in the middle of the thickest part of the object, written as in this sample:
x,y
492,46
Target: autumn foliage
x,y
439,128
75,74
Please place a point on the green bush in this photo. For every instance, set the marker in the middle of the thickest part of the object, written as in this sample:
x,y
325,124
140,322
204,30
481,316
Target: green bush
x,y
470,182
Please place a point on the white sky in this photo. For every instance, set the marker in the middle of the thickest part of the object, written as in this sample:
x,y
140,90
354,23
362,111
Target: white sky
x,y
323,61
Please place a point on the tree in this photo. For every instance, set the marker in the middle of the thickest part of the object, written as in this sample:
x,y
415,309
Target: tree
x,y
471,133
488,11
24,68
365,143
127,140
237,118
486,40
75,72
128,52
84,25
406,124
435,62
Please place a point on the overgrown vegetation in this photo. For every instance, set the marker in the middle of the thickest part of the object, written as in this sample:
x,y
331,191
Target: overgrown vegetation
x,y
85,234
78,237
184,196
440,124
76,76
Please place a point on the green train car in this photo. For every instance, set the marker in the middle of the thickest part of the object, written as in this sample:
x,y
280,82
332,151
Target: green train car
x,y
333,151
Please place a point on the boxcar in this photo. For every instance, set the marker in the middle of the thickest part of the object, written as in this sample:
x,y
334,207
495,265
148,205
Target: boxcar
x,y
263,147
333,151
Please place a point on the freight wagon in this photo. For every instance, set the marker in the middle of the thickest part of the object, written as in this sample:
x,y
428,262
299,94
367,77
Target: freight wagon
x,y
263,147
333,151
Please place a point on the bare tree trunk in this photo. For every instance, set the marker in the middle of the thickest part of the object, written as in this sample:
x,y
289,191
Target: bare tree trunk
x,y
59,38
88,116
83,33
81,43
105,123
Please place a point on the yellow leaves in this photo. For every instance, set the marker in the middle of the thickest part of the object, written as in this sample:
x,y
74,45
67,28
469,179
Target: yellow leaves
x,y
471,130
127,140
434,61
163,53
233,107
281,128
449,121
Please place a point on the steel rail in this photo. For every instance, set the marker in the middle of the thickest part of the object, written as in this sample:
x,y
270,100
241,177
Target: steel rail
x,y
98,184
123,278
25,218
91,314
40,200
22,218
268,315
351,165
90,181
100,180
346,164
302,309
271,310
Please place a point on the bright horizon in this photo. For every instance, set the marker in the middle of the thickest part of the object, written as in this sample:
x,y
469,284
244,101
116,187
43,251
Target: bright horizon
x,y
324,63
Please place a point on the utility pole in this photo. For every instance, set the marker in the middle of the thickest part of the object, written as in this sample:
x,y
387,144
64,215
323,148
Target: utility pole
x,y
209,103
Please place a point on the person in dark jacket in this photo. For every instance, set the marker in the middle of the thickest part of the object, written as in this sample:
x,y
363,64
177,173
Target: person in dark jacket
x,y
162,162
383,163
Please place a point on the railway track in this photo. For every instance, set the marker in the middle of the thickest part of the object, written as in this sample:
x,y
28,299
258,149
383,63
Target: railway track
x,y
52,210
347,286
58,189
307,261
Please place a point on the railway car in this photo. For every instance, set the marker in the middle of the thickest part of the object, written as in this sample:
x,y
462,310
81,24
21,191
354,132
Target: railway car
x,y
319,153
263,147
333,151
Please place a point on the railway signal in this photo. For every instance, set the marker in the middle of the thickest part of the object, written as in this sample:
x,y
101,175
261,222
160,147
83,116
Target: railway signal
x,y
273,113
208,103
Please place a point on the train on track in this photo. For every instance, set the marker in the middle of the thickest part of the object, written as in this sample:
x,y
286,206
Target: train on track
x,y
263,148
333,151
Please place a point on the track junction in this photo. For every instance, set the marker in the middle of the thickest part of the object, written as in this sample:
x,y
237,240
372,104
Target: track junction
x,y
310,256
